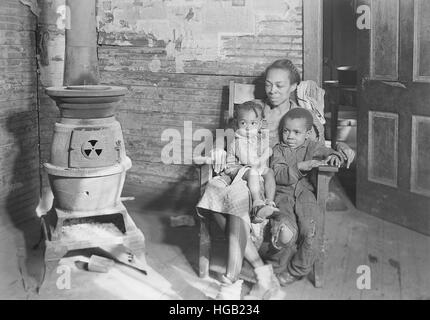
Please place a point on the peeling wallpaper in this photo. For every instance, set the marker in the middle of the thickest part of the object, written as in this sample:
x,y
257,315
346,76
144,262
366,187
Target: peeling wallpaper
x,y
205,30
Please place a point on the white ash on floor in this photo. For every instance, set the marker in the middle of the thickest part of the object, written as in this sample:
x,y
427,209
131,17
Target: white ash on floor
x,y
84,231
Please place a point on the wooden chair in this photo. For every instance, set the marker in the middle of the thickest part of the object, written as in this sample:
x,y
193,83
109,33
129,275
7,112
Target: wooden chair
x,y
240,93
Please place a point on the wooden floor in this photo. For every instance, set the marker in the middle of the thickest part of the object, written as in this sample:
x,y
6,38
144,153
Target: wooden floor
x,y
398,258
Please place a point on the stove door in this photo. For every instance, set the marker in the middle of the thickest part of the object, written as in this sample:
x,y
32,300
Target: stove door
x,y
92,147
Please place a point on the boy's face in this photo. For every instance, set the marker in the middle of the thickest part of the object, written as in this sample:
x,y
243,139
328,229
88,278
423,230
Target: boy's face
x,y
248,123
295,133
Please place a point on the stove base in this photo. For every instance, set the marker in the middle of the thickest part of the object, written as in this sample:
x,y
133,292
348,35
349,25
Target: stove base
x,y
58,243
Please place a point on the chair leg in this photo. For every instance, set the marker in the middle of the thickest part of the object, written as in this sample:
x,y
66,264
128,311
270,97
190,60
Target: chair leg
x,y
319,272
324,176
319,260
318,267
204,248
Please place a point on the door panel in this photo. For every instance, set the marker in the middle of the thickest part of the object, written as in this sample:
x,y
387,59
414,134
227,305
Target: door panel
x,y
384,40
382,161
420,158
393,132
422,40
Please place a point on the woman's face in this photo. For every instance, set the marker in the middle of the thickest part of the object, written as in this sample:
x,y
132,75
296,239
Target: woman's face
x,y
278,86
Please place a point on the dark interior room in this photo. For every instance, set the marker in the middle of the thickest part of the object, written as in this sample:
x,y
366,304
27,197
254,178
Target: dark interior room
x,y
215,149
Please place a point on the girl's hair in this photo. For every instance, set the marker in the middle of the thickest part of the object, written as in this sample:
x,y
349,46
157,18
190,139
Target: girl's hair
x,y
249,106
287,65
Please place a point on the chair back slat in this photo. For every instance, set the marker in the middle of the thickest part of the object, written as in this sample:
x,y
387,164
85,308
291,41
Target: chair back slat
x,y
243,92
239,93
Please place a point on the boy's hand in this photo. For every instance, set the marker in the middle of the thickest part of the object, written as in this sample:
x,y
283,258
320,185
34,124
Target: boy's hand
x,y
309,164
333,160
228,170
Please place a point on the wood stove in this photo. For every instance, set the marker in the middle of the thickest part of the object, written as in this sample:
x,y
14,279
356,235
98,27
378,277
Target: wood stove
x,y
88,161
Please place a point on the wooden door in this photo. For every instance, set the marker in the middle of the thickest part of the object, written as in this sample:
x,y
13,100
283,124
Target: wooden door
x,y
393,155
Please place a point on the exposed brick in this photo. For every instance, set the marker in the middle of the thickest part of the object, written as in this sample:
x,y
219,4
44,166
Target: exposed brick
x,y
19,156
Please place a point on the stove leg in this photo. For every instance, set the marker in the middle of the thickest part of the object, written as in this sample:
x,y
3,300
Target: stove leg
x,y
50,268
53,254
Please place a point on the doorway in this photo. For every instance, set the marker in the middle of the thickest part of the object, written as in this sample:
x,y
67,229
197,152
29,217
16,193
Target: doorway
x,y
339,36
340,50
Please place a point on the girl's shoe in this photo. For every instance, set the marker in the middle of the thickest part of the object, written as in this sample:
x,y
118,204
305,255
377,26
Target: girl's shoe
x,y
271,203
260,211
267,286
285,278
230,291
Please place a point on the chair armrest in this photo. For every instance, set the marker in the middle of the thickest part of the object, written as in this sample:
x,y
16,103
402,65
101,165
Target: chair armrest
x,y
324,175
327,168
201,160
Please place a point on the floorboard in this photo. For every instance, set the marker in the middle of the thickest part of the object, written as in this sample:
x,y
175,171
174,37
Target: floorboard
x,y
398,258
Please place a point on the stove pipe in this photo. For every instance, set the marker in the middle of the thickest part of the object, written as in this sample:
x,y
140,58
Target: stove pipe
x,y
80,62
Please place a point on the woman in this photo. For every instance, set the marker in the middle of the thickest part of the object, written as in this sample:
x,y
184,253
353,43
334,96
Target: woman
x,y
281,82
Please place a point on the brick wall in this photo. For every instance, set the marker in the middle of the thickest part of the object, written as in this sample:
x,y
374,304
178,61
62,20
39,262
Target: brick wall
x,y
176,57
19,157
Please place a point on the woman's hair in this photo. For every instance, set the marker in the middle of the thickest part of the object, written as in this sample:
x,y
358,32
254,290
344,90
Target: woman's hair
x,y
296,113
287,65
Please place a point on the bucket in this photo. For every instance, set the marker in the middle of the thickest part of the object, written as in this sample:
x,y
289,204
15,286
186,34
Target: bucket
x,y
347,75
346,127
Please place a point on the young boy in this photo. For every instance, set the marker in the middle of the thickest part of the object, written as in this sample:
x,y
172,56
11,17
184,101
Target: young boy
x,y
293,158
248,155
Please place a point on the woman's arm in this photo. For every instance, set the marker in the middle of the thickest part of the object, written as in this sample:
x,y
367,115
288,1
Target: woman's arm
x,y
346,153
343,149
320,151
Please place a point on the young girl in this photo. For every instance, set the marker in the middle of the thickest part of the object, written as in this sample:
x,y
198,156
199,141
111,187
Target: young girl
x,y
248,155
247,159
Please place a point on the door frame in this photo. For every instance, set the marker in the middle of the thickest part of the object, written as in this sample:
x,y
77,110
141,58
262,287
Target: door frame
x,y
313,40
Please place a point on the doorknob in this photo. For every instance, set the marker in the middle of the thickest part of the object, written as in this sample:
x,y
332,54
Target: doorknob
x,y
364,82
